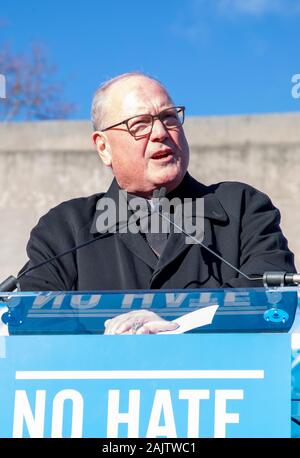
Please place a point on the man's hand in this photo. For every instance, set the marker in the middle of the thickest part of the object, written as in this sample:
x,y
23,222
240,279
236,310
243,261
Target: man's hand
x,y
138,322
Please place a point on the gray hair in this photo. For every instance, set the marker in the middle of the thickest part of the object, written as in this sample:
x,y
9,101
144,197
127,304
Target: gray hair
x,y
100,105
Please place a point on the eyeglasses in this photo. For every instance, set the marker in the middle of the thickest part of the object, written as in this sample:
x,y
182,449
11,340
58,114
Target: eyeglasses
x,y
141,125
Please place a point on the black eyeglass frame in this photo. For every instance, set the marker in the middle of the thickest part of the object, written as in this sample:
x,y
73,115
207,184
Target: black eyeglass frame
x,y
153,117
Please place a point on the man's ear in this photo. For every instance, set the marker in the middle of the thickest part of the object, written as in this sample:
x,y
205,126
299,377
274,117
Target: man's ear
x,y
103,147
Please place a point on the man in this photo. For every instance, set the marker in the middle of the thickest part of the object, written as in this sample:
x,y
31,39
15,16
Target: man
x,y
139,134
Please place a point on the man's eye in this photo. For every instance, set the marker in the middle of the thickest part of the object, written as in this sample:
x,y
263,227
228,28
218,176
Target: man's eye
x,y
170,117
139,122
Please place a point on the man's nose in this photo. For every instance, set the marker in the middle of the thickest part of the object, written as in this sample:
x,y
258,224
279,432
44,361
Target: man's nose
x,y
159,130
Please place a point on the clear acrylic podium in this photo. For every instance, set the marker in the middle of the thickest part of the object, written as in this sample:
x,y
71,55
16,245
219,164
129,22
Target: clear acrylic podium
x,y
60,377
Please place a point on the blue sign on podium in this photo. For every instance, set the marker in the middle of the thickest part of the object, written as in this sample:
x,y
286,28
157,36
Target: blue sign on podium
x,y
208,385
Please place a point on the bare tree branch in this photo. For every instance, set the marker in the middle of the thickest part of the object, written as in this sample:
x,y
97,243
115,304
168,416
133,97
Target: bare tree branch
x,y
32,91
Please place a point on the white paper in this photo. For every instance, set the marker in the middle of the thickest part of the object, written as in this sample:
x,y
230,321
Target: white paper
x,y
192,320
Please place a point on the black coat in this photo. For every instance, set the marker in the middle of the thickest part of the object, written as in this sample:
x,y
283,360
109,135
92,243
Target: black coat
x,y
241,225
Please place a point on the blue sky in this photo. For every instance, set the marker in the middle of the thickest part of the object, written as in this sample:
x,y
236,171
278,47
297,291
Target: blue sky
x,y
217,57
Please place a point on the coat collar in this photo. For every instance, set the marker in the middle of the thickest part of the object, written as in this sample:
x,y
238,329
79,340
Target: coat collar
x,y
191,188
188,188
135,242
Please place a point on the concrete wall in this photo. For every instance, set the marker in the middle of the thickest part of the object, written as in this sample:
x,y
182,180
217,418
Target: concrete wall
x,y
44,163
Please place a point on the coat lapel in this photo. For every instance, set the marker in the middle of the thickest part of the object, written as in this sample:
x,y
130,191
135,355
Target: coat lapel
x,y
213,213
124,217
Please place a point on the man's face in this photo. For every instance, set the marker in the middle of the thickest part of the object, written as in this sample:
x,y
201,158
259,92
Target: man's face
x,y
144,164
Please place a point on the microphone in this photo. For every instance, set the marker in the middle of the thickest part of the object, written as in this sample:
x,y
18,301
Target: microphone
x,y
281,279
270,279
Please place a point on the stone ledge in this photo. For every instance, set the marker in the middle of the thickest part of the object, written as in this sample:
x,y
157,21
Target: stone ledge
x,y
207,131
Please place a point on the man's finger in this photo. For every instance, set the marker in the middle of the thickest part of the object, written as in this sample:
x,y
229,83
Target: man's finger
x,y
154,327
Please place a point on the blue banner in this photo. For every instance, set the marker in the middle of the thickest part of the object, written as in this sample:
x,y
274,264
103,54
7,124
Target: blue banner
x,y
206,385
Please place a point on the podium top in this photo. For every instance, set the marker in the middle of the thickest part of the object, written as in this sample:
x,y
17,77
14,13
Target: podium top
x,y
84,312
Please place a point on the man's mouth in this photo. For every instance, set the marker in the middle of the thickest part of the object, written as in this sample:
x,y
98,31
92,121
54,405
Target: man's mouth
x,y
162,154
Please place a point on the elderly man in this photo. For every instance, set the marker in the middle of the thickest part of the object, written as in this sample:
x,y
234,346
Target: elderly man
x,y
139,135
